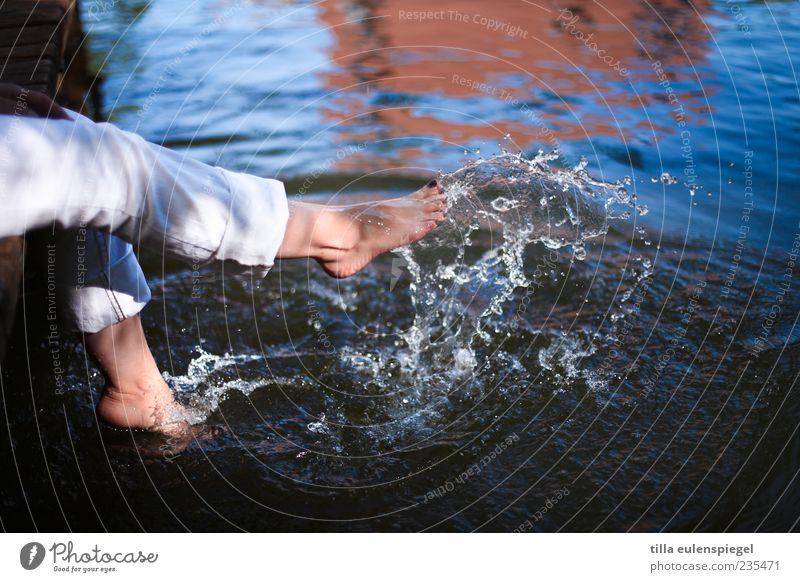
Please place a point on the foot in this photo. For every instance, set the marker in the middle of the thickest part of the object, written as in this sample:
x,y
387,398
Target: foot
x,y
361,232
136,395
147,404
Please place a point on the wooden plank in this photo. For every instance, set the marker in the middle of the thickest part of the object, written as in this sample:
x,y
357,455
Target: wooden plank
x,y
43,9
21,51
26,73
35,34
76,88
33,39
11,253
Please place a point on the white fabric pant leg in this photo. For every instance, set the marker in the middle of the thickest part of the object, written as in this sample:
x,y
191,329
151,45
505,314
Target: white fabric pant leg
x,y
99,280
64,174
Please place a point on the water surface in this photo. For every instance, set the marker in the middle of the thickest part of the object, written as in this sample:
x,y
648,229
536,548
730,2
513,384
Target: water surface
x,y
606,341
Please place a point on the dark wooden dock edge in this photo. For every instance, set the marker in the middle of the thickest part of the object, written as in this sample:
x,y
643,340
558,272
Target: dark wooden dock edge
x,y
41,49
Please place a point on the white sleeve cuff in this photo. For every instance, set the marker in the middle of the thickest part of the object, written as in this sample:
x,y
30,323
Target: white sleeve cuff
x,y
256,224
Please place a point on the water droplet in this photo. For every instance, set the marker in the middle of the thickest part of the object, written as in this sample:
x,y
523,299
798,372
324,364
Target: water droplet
x,y
667,178
319,427
504,204
464,360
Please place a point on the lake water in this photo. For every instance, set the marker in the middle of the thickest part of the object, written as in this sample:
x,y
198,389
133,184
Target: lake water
x,y
603,340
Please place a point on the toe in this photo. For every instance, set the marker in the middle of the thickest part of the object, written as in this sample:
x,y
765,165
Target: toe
x,y
429,190
434,188
431,225
435,205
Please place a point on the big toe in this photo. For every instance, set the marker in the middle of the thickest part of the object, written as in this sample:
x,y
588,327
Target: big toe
x,y
429,190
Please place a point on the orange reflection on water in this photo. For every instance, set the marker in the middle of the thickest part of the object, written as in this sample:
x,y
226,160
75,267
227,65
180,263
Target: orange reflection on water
x,y
542,72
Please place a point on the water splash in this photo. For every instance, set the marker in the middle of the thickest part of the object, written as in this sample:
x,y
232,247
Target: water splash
x,y
209,378
505,203
464,278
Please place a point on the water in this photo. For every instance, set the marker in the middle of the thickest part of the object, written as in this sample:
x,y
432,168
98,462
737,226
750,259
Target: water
x,y
458,305
606,321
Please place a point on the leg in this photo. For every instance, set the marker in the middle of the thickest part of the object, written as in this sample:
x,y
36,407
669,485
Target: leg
x,y
104,290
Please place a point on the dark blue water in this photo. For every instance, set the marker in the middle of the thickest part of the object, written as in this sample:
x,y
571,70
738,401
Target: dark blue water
x,y
481,380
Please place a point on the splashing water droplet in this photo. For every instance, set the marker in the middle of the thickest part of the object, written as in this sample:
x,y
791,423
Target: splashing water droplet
x,y
464,360
319,427
462,292
504,204
667,178
557,207
205,383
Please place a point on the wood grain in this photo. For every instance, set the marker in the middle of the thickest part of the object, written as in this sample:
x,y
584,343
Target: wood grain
x,y
33,39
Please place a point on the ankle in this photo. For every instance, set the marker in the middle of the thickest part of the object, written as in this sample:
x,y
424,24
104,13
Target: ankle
x,y
141,387
335,233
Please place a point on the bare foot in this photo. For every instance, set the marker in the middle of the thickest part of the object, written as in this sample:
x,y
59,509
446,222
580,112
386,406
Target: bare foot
x,y
344,239
136,395
144,405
